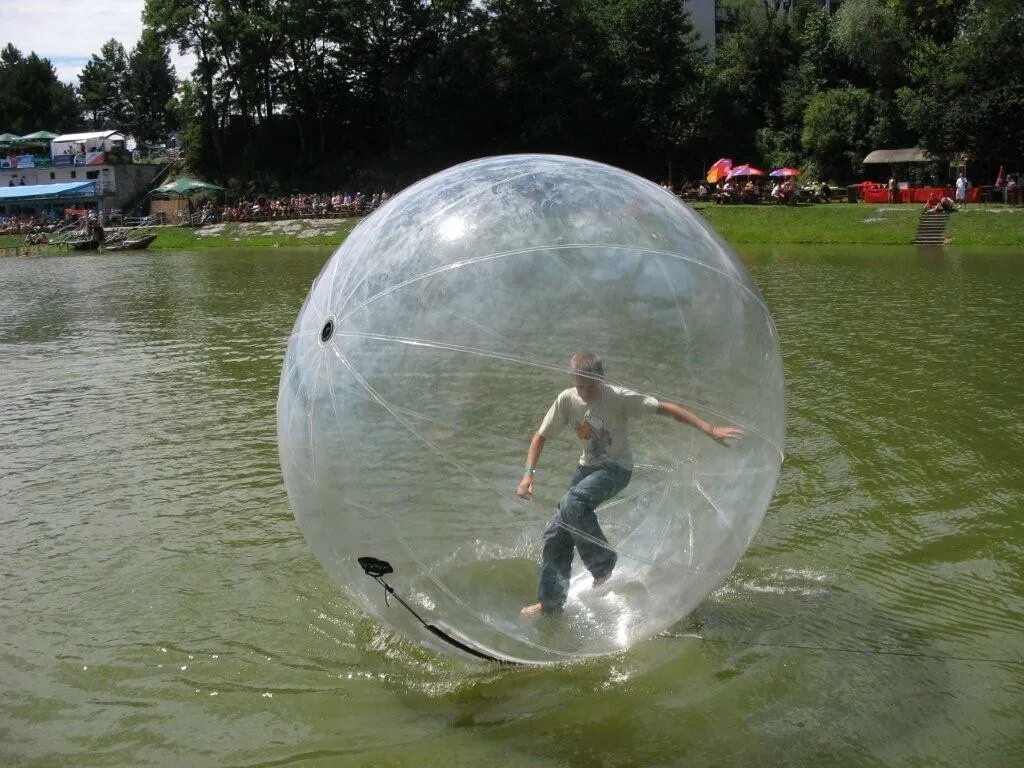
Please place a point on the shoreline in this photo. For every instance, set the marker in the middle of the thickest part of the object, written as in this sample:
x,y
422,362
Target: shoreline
x,y
983,225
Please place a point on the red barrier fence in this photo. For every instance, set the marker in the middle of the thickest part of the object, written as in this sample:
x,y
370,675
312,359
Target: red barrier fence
x,y
879,193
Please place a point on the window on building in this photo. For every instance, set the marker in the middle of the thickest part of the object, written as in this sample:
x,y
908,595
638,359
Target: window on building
x,y
92,174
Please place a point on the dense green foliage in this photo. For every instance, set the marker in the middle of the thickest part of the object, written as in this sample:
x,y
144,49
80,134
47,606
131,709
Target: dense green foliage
x,y
303,93
134,92
31,96
102,86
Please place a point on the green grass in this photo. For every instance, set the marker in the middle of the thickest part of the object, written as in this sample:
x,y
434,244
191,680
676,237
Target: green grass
x,y
861,224
233,235
987,225
321,233
836,223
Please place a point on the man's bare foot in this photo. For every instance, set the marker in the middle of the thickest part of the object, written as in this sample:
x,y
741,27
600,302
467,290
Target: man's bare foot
x,y
532,611
599,582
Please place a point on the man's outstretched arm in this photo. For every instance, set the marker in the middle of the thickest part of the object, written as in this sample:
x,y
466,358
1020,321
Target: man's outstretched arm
x,y
684,416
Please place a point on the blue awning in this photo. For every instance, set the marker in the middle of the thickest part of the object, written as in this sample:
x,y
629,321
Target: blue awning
x,y
69,191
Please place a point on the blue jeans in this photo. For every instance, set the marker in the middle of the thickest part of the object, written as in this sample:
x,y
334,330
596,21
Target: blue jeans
x,y
575,526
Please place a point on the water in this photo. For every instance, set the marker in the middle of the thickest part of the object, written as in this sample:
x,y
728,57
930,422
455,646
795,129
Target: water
x,y
159,606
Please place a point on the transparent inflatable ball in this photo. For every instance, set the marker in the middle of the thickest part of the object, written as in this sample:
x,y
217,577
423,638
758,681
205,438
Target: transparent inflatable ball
x,y
428,351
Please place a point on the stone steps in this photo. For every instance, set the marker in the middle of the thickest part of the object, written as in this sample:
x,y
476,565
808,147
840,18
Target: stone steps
x,y
931,229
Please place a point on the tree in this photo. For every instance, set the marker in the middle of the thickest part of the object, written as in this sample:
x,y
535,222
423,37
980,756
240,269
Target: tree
x,y
752,64
188,23
308,70
873,38
972,102
449,108
841,126
940,21
390,89
815,70
103,86
618,79
31,96
150,89
656,71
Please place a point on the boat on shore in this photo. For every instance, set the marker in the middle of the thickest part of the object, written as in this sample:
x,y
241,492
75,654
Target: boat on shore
x,y
137,243
93,239
80,236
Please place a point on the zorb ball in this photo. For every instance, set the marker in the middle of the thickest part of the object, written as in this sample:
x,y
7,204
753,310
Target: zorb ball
x,y
430,347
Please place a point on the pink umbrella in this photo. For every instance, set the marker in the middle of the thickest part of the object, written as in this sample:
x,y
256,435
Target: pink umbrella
x,y
744,170
785,172
718,170
1001,178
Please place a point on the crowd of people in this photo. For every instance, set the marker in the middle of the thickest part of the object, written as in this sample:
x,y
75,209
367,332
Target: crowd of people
x,y
35,231
18,224
254,208
38,231
298,206
781,191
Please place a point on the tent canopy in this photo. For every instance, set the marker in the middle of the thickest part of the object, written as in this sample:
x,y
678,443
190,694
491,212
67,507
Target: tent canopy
x,y
8,138
101,140
40,136
44,192
893,156
184,187
86,136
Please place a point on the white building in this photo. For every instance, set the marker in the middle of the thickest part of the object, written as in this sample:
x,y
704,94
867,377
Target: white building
x,y
702,16
103,157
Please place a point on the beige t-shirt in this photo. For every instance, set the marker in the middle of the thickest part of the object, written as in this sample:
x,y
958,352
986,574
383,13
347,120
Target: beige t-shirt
x,y
600,426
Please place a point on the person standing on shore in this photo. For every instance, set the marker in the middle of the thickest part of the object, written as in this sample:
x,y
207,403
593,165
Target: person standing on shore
x,y
961,191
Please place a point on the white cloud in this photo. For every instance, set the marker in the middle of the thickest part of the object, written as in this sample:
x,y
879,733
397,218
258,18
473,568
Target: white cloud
x,y
68,32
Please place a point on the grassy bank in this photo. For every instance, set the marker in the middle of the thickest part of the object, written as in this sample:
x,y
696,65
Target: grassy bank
x,y
836,223
260,234
833,224
860,224
987,225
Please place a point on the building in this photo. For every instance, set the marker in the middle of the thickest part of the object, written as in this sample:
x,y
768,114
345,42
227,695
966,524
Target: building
x,y
102,157
702,16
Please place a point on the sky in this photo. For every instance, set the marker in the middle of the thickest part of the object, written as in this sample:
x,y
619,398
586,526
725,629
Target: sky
x,y
69,32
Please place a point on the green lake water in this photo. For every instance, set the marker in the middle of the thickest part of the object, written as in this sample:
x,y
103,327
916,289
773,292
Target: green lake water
x,y
160,607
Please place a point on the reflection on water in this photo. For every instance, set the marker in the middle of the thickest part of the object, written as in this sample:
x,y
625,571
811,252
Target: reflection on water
x,y
160,607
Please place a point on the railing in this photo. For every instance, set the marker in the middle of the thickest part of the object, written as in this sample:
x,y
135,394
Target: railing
x,y
164,155
66,234
143,221
97,157
26,161
201,218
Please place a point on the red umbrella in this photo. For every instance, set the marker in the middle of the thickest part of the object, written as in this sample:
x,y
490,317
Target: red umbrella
x,y
744,170
718,170
785,172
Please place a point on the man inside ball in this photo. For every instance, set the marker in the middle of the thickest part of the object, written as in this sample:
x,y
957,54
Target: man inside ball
x,y
599,413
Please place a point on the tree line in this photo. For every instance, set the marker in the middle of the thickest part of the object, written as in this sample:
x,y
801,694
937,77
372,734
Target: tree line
x,y
300,94
131,91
